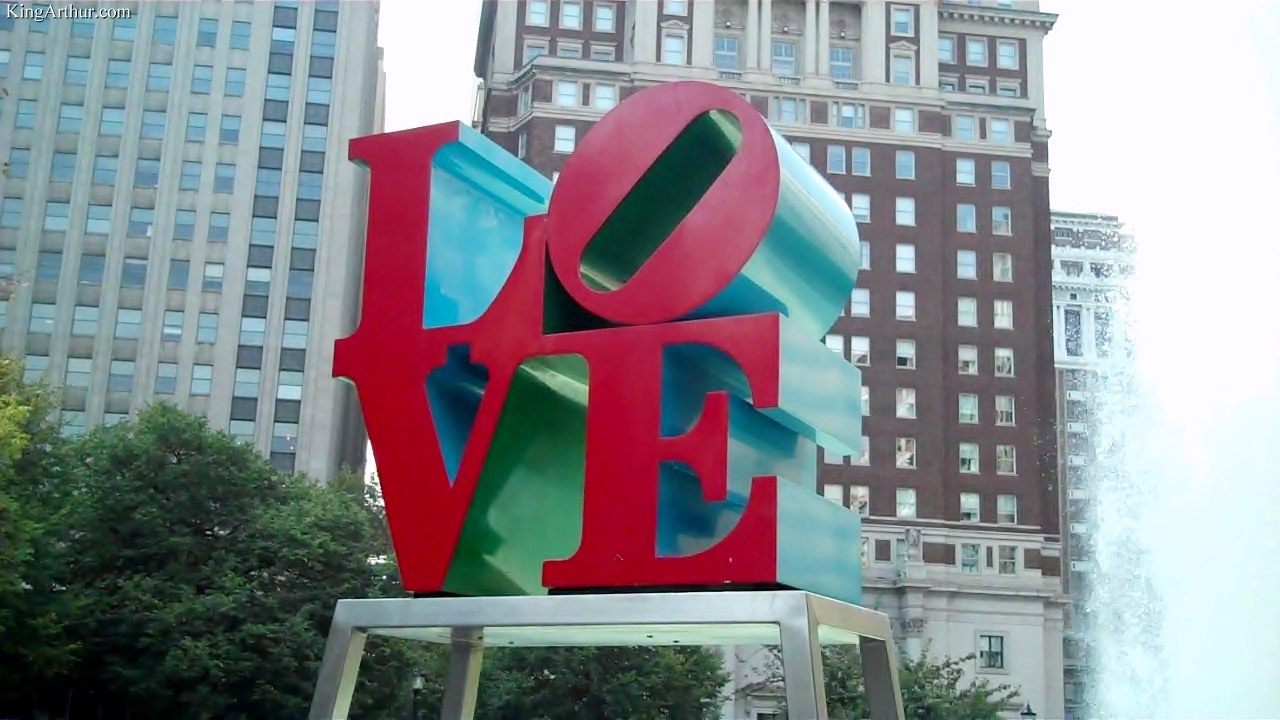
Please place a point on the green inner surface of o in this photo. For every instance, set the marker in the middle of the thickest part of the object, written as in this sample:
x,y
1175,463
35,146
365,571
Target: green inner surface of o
x,y
664,195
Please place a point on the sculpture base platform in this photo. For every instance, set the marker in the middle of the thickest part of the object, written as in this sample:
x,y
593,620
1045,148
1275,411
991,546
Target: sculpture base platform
x,y
800,622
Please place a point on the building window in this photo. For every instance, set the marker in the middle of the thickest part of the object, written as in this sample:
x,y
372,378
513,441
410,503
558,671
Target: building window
x,y
860,500
842,59
57,216
212,280
862,161
906,403
966,265
1007,559
234,86
26,114
604,97
784,58
865,401
571,14
42,318
975,51
189,177
1004,362
159,77
835,343
967,407
171,330
567,94
92,269
966,218
967,359
999,131
1007,54
1006,88
905,165
1006,460
207,328
1002,267
904,120
788,110
240,34
904,22
77,72
964,127
969,461
970,558
673,48
1005,413
566,138
202,79
947,49
70,118
179,273
905,212
112,123
970,509
533,49
837,156
1001,220
197,123
991,652
905,354
902,69
864,250
1003,314
120,377
63,168
1007,509
604,53
904,257
33,66
860,350
1000,175
906,497
726,52
862,206
153,124
802,149
675,7
967,312
966,171
905,305
604,18
84,321
536,13
976,86
860,303
849,115
128,324
201,379
184,225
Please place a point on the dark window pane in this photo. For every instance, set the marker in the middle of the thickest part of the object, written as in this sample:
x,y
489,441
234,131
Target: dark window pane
x,y
249,356
301,259
280,63
275,110
308,210
293,359
321,67
288,410
297,309
271,158
244,408
255,306
318,114
285,17
312,161
261,255
265,206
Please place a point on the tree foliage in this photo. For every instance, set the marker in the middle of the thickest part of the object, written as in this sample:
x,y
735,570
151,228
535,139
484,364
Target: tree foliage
x,y
624,683
931,689
159,568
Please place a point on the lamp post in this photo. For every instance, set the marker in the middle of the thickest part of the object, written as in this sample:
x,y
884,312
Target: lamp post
x,y
418,685
1027,712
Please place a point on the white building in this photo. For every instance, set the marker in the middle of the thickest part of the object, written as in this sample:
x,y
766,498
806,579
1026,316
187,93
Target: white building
x,y
179,218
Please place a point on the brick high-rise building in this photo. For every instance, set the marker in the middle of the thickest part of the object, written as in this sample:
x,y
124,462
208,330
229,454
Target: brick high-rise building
x,y
928,117
179,218
1092,262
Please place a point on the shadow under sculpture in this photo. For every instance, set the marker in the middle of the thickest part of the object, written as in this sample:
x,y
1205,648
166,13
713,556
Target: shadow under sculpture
x,y
590,406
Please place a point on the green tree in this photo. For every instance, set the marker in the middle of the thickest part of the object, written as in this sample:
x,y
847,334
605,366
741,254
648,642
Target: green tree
x,y
210,577
931,690
606,683
33,609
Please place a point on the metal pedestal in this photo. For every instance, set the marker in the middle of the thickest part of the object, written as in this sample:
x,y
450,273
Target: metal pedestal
x,y
799,622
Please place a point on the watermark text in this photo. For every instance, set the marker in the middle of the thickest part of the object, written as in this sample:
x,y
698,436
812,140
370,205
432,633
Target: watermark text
x,y
40,13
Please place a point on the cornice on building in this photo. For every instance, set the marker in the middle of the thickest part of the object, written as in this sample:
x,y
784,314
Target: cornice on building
x,y
998,16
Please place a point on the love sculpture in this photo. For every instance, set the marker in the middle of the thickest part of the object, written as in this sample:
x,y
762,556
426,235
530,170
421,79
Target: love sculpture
x,y
618,384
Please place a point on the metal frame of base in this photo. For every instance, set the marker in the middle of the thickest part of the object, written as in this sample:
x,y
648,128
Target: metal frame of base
x,y
800,622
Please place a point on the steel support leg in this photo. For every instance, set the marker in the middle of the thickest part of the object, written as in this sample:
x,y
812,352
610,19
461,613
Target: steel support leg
x,y
802,669
462,679
880,678
338,671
